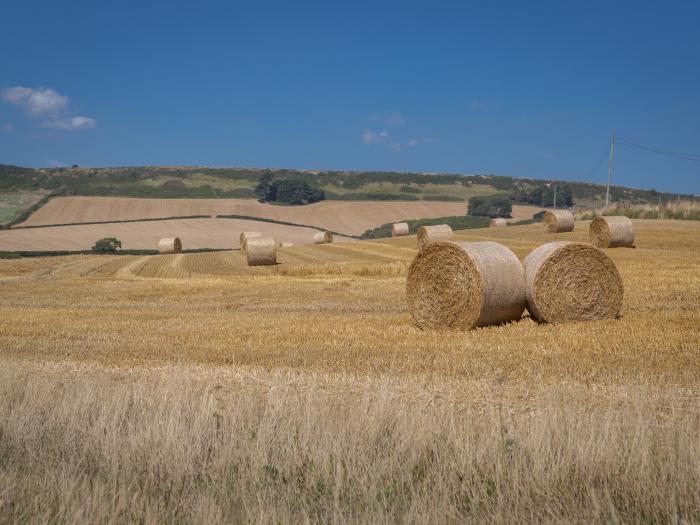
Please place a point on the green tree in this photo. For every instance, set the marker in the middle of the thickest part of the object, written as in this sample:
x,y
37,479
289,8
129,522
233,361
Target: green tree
x,y
264,189
107,245
492,206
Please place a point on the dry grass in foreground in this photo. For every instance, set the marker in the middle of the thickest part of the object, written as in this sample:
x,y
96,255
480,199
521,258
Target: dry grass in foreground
x,y
192,445
191,388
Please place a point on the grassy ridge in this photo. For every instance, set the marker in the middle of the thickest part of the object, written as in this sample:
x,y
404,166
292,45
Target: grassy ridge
x,y
458,222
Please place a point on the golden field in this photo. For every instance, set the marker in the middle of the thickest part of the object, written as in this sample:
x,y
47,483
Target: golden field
x,y
191,388
346,217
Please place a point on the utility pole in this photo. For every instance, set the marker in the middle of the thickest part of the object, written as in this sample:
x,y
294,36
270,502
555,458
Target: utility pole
x,y
610,167
555,192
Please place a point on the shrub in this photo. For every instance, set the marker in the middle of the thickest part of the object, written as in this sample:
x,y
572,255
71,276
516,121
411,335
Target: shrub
x,y
493,206
107,245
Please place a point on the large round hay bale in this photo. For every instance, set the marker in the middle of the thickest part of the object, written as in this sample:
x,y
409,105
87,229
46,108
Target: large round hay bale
x,y
261,251
558,221
497,223
399,228
322,237
244,236
170,245
612,232
572,281
428,234
461,285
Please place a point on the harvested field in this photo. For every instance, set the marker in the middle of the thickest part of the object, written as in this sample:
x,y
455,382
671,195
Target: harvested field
x,y
192,388
351,217
195,233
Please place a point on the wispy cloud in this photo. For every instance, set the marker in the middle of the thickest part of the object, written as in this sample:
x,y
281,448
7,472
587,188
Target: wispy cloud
x,y
423,140
7,127
380,137
48,105
52,163
391,119
476,105
70,123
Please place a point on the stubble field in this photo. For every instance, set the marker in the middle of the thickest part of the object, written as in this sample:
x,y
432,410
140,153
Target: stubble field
x,y
192,388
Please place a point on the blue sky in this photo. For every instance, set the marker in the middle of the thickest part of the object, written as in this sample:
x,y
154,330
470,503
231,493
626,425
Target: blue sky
x,y
527,89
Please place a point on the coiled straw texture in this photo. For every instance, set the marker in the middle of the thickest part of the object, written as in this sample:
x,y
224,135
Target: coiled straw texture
x,y
462,285
572,281
612,232
261,251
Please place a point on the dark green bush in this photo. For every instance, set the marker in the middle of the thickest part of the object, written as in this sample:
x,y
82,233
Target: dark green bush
x,y
107,245
492,206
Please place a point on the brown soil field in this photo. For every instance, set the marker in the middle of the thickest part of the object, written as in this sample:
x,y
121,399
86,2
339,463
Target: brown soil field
x,y
192,388
348,217
194,233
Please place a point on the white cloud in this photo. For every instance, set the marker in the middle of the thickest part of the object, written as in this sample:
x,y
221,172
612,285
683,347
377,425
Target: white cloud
x,y
37,102
7,127
46,104
423,140
70,123
382,137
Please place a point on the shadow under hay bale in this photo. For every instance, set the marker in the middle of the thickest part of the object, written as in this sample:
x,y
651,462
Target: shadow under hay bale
x,y
428,234
462,285
243,238
399,229
170,245
572,281
261,251
558,221
612,232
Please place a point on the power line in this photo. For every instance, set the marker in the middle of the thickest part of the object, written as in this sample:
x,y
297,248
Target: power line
x,y
605,154
671,154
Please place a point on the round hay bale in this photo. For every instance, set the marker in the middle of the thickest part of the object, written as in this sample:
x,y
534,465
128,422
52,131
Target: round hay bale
x,y
612,232
461,285
322,237
497,223
170,245
244,236
572,281
399,228
286,244
558,221
261,251
428,234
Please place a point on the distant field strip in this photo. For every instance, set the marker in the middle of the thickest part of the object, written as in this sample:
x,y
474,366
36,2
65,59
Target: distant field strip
x,y
195,233
351,218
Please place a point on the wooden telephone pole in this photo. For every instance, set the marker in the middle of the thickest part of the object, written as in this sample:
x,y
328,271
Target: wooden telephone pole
x,y
610,167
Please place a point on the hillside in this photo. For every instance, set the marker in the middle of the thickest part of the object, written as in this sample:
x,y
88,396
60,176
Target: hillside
x,y
218,183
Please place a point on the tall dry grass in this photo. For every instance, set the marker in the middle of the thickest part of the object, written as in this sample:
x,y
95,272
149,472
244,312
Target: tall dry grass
x,y
200,446
679,209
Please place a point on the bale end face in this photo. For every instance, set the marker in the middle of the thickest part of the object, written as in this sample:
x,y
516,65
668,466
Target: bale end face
x,y
398,229
460,286
612,232
261,251
572,281
558,221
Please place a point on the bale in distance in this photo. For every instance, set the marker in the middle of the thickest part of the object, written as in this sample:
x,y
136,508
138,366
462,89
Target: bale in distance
x,y
170,245
558,221
612,232
286,244
462,285
399,228
428,234
572,281
323,237
261,251
497,223
243,238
